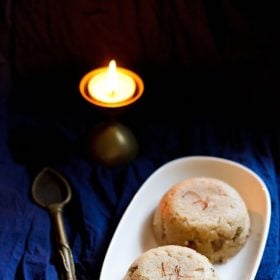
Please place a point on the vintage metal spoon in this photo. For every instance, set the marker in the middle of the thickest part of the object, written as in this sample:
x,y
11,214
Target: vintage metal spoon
x,y
51,190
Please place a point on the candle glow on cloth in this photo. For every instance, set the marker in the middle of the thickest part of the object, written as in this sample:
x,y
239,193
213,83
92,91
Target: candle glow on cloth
x,y
112,85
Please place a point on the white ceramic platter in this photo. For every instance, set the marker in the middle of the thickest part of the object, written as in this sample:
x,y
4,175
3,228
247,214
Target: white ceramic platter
x,y
134,233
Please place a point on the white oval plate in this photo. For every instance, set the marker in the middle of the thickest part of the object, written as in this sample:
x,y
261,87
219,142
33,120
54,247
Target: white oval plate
x,y
134,233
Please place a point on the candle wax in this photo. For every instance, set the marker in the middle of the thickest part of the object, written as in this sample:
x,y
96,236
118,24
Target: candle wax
x,y
111,88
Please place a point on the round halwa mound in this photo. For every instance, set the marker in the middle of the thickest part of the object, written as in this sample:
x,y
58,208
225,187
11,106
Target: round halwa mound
x,y
171,262
205,214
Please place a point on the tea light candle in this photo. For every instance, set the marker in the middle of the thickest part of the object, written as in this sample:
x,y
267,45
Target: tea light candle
x,y
111,86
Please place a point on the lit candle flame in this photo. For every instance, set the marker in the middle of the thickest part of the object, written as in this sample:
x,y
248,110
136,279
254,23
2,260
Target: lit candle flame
x,y
112,78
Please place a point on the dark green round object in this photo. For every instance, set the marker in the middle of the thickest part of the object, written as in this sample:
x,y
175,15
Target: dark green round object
x,y
113,144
